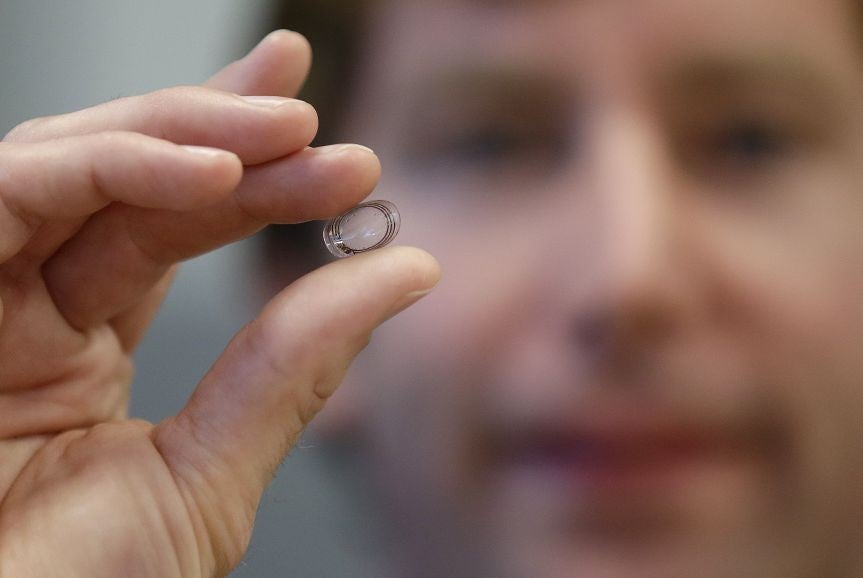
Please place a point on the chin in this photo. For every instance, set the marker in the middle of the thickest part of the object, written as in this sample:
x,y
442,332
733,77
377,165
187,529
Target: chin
x,y
594,560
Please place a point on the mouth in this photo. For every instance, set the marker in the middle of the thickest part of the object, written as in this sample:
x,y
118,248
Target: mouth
x,y
616,459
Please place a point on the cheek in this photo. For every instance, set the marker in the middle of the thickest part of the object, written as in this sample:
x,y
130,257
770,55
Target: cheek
x,y
505,253
435,359
796,267
475,250
791,283
788,256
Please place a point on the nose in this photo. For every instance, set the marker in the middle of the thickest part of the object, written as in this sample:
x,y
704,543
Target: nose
x,y
638,295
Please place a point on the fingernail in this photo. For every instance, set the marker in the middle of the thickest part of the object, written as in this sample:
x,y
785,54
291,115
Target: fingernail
x,y
406,301
205,151
267,101
280,32
348,147
275,34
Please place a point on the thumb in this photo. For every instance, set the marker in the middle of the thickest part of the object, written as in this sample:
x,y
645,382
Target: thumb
x,y
276,374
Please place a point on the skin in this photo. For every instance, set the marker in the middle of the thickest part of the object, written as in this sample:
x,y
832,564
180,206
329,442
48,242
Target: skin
x,y
645,358
96,209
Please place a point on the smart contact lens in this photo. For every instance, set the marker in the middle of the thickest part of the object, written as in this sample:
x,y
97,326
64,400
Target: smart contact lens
x,y
364,228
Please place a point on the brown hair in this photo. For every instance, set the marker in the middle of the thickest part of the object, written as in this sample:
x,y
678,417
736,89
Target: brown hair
x,y
335,29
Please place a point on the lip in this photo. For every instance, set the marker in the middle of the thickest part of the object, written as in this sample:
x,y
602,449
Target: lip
x,y
616,460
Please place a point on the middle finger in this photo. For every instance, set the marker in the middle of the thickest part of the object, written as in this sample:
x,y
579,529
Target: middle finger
x,y
257,128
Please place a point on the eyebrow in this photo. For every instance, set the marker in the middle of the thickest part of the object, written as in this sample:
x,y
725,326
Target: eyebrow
x,y
708,76
481,80
711,78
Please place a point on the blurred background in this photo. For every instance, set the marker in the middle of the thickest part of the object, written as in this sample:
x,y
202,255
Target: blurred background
x,y
58,56
666,389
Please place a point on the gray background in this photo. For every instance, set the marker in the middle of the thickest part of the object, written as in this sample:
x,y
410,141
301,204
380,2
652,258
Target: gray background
x,y
58,56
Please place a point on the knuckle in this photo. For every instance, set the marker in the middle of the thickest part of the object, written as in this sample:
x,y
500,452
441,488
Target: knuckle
x,y
132,156
268,341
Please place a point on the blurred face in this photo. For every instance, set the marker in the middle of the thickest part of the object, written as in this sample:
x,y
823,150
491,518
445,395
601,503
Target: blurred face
x,y
646,356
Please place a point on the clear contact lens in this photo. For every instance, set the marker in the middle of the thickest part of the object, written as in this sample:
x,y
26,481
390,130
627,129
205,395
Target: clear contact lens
x,y
366,227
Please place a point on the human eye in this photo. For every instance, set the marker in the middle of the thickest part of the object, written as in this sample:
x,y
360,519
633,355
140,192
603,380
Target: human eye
x,y
489,127
486,146
748,144
491,148
736,147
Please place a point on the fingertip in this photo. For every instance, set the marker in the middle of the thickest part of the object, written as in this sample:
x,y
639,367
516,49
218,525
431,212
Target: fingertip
x,y
425,275
280,47
288,125
421,270
222,169
429,264
289,42
310,118
405,269
362,167
312,184
356,167
278,64
357,152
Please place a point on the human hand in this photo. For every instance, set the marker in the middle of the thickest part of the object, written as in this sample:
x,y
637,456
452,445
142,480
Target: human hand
x,y
96,209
